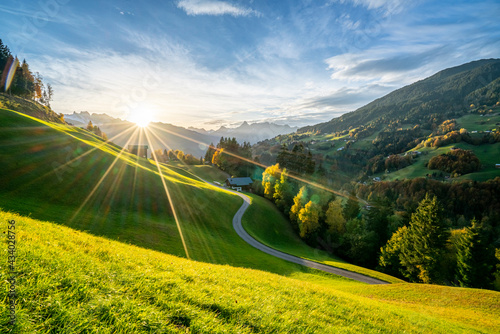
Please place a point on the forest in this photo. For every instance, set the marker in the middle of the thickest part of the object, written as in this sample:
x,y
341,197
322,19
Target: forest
x,y
421,230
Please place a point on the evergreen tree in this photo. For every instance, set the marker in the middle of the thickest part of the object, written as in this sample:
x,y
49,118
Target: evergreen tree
x,y
475,257
427,238
4,57
210,152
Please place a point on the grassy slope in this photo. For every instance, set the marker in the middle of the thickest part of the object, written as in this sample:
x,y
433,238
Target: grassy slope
x,y
128,205
71,281
486,153
266,224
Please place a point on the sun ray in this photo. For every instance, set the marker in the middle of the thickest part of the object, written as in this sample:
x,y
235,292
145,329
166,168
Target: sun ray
x,y
89,196
171,203
290,175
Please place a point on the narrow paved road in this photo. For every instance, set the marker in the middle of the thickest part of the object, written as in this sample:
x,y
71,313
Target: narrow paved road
x,y
238,227
311,264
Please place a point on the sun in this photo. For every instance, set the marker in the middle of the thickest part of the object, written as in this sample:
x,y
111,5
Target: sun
x,y
141,118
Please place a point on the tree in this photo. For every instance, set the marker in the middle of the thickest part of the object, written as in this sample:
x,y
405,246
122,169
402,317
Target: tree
x,y
351,209
283,196
378,221
308,219
334,217
90,126
49,94
269,177
420,248
389,254
210,153
475,257
298,203
361,243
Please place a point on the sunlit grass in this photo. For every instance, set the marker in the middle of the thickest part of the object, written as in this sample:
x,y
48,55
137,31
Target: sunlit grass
x,y
70,281
130,204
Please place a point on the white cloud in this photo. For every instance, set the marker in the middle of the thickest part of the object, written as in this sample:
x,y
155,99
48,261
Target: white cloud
x,y
214,7
165,79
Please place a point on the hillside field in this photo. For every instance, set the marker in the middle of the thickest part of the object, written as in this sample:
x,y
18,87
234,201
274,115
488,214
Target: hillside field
x,y
72,282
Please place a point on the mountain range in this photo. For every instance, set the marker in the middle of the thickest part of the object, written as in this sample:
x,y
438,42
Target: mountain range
x,y
192,140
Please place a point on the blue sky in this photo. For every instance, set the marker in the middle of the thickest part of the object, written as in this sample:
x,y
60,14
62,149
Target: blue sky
x,y
208,63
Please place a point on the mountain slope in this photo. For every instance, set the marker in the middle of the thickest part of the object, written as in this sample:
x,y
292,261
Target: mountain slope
x,y
69,281
69,176
449,91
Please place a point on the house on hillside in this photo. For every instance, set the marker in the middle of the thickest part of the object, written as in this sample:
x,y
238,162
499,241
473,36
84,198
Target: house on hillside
x,y
239,183
139,150
497,166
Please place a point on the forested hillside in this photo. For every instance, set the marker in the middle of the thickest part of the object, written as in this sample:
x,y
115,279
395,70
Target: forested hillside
x,y
446,94
416,167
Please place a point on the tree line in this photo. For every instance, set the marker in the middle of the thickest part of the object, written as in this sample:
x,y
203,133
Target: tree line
x,y
230,156
24,82
422,241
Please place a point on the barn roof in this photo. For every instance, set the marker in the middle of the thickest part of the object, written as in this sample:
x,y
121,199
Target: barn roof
x,y
239,181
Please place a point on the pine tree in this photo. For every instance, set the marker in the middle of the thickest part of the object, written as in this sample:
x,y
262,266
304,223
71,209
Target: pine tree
x,y
475,258
427,237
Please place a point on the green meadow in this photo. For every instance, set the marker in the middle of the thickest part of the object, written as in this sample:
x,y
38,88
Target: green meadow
x,y
99,251
73,282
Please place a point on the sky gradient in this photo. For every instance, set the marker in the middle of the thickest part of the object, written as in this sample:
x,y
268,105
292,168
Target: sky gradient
x,y
208,63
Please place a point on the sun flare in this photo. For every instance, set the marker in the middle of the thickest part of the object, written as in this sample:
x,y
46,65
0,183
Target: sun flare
x,y
141,118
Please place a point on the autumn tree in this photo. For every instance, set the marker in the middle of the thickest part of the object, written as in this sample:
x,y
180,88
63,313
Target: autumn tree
x,y
269,177
283,196
298,203
308,219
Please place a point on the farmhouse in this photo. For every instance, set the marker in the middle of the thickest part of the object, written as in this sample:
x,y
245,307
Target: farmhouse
x,y
139,150
497,166
239,183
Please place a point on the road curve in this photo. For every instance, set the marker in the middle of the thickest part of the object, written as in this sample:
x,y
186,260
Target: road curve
x,y
238,227
311,264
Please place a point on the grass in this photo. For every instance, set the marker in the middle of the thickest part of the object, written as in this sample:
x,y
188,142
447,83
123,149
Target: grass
x,y
118,266
110,193
206,172
488,155
267,225
475,122
73,282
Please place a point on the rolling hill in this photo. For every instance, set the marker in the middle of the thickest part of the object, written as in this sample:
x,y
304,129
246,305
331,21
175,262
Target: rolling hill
x,y
69,176
112,259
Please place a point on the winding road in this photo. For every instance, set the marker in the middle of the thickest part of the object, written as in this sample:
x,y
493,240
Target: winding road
x,y
307,263
238,227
